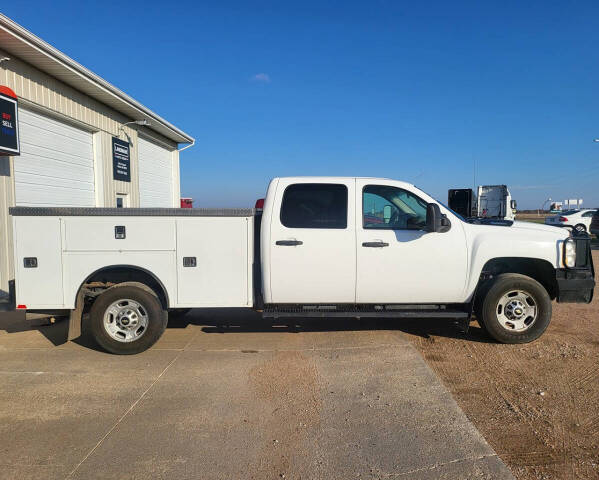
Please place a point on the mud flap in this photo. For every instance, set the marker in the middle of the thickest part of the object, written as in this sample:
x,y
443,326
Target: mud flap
x,y
76,316
463,324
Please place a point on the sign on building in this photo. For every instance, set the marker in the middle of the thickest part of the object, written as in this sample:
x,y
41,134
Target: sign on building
x,y
9,122
121,160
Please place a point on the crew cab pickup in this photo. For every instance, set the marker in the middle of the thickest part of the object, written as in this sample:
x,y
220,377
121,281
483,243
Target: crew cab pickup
x,y
316,247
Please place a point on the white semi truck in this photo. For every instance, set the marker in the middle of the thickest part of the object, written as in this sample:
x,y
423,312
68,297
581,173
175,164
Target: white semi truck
x,y
495,201
491,203
320,247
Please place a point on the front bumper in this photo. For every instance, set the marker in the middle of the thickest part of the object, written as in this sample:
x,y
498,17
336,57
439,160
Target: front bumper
x,y
575,285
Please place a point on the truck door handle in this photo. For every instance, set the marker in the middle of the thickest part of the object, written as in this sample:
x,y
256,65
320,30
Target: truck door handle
x,y
377,244
289,243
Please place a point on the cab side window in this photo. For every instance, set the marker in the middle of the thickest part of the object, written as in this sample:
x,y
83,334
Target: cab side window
x,y
588,214
392,208
314,205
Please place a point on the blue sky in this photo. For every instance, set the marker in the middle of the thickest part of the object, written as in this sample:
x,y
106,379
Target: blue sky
x,y
417,91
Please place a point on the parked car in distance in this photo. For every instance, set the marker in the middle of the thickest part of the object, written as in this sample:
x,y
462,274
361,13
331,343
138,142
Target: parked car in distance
x,y
595,224
579,219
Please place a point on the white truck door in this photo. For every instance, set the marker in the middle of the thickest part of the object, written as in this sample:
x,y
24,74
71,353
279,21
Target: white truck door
x,y
313,242
397,260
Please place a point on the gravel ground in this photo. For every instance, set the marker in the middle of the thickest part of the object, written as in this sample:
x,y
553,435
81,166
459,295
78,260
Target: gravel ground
x,y
536,404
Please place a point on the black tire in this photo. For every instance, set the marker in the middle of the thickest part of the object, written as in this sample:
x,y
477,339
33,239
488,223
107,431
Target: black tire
x,y
500,286
155,315
580,227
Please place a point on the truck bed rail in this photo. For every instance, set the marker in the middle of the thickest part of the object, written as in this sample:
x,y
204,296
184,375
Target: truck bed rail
x,y
129,212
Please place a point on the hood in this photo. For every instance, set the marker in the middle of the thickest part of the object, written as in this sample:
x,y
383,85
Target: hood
x,y
539,227
531,230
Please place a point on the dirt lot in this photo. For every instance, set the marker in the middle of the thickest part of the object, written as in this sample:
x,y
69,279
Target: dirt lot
x,y
532,216
536,404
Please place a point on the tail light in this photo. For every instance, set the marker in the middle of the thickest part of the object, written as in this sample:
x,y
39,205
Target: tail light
x,y
563,219
259,204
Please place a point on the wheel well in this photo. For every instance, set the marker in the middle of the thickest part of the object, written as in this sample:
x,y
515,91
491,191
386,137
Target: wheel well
x,y
541,270
115,274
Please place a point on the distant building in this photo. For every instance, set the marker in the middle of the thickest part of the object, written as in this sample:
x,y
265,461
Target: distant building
x,y
573,203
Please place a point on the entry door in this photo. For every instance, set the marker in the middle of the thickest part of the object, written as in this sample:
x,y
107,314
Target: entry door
x,y
122,200
312,251
397,260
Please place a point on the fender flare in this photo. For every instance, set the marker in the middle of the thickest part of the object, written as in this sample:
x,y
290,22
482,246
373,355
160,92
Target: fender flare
x,y
75,315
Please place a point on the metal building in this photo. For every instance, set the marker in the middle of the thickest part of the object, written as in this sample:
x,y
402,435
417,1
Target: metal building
x,y
81,141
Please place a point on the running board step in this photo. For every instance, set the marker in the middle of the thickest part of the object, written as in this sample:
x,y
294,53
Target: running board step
x,y
366,311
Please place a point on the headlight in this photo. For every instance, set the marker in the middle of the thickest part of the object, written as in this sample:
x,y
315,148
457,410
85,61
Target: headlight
x,y
570,253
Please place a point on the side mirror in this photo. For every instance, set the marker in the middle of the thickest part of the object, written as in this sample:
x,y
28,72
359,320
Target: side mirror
x,y
513,205
435,220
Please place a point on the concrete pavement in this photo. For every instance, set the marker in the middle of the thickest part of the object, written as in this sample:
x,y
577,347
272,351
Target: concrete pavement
x,y
224,395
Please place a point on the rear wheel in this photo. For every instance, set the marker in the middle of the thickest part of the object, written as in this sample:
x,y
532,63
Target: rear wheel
x,y
127,319
515,309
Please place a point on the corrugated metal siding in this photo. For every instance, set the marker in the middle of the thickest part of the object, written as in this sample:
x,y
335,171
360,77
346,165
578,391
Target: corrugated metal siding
x,y
41,93
111,186
6,244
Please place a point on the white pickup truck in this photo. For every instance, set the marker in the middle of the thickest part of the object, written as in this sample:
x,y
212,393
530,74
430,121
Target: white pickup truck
x,y
358,247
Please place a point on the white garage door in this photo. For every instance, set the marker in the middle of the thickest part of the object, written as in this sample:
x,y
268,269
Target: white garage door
x,y
56,166
155,175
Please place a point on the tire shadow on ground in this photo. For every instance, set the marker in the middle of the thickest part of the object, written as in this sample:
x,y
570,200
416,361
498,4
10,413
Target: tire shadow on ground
x,y
243,320
55,329
229,320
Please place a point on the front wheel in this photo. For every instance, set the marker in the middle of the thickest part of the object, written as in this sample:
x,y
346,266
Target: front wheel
x,y
516,309
127,319
580,228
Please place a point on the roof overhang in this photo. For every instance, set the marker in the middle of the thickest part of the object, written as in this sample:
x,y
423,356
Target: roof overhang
x,y
21,43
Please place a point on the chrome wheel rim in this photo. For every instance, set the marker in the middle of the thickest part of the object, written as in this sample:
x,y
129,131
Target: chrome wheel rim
x,y
125,320
516,311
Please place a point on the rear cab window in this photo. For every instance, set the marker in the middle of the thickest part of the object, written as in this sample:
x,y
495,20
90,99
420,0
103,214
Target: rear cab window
x,y
314,205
